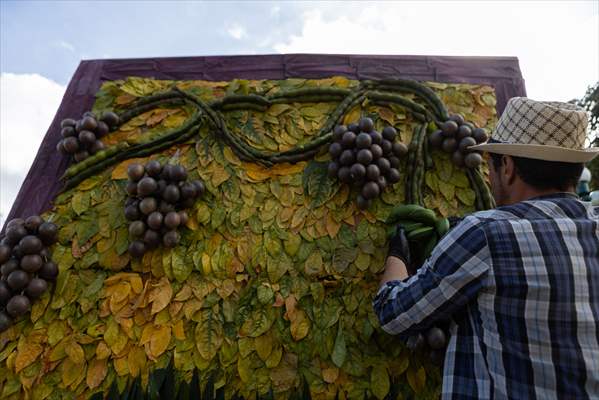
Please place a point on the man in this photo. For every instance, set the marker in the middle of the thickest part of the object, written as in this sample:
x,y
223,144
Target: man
x,y
521,282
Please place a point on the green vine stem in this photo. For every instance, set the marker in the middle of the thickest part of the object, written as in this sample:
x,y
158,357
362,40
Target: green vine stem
x,y
484,198
412,167
138,110
209,112
135,151
414,87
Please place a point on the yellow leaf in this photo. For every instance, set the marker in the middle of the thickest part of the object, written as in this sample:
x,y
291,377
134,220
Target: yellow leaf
x,y
330,374
352,116
274,358
416,378
255,172
290,303
136,284
96,372
387,115
120,171
332,226
161,295
173,121
179,330
300,326
124,99
160,340
102,351
245,369
313,264
75,352
263,345
27,353
379,381
219,174
136,360
231,157
71,372
118,292
146,334
284,169
121,366
157,116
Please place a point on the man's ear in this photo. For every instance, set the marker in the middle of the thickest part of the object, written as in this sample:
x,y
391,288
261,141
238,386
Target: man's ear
x,y
508,170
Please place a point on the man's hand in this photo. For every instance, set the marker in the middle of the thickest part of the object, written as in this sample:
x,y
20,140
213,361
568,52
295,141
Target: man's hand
x,y
398,263
400,248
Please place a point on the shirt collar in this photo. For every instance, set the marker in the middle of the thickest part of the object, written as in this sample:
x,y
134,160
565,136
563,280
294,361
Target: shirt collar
x,y
557,195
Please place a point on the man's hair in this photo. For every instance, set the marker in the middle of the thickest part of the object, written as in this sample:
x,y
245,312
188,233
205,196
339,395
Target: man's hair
x,y
542,174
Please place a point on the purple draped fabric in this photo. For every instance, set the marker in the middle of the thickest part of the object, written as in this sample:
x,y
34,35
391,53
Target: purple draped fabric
x,y
42,182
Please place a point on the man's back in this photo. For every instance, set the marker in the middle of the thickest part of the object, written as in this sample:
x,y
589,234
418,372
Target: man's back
x,y
536,317
521,284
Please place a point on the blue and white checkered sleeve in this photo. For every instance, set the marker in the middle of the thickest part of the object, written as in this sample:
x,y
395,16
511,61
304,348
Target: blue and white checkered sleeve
x,y
449,279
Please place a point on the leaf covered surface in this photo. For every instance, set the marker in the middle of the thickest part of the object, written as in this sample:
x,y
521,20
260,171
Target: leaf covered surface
x,y
271,284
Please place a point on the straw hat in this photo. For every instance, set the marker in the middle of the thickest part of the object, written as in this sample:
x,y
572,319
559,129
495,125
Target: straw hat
x,y
543,130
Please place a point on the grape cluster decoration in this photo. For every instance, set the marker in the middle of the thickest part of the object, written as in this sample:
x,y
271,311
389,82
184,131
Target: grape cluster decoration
x,y
365,158
26,265
155,207
81,138
433,341
455,136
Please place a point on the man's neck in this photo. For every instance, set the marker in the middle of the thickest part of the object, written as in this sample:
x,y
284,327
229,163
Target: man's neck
x,y
523,192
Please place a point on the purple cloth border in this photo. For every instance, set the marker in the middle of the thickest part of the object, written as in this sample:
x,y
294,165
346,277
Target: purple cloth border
x,y
42,182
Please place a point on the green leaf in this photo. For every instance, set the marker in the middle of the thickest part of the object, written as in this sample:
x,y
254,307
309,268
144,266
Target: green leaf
x,y
277,267
80,202
339,349
466,196
343,257
313,264
218,217
292,244
346,236
181,267
416,378
259,322
447,190
459,179
317,184
328,313
379,381
209,333
87,228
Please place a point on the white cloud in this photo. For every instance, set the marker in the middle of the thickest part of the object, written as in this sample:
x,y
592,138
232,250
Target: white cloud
x,y
236,31
28,103
556,43
275,11
65,45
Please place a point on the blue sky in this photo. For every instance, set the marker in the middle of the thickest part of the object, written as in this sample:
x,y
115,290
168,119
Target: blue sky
x,y
42,42
52,37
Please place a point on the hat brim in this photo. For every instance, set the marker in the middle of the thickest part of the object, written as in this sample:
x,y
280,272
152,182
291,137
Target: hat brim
x,y
539,152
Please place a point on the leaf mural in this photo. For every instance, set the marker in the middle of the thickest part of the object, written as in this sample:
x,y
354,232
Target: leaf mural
x,y
268,293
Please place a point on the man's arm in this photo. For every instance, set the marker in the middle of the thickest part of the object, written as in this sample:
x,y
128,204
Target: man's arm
x,y
395,270
448,280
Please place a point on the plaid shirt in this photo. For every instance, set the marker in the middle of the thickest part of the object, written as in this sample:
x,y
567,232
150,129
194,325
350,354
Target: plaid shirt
x,y
521,284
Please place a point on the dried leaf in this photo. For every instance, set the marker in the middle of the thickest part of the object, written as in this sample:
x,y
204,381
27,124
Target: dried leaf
x,y
160,340
96,372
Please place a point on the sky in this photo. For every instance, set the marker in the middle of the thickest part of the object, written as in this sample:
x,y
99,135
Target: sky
x,y
42,42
